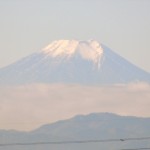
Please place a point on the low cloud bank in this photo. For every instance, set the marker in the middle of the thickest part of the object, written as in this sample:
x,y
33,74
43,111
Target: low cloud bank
x,y
28,107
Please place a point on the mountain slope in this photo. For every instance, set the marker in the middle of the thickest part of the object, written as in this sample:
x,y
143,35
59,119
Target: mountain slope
x,y
83,62
96,126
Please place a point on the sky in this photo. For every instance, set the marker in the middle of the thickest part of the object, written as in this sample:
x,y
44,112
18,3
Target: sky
x,y
29,25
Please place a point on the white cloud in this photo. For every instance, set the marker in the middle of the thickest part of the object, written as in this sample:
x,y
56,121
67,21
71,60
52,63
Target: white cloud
x,y
27,107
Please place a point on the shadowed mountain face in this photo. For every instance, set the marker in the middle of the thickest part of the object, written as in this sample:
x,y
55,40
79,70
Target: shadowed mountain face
x,y
71,61
90,127
98,126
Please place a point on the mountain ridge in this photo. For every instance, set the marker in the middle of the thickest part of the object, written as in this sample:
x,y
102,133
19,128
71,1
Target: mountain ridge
x,y
95,126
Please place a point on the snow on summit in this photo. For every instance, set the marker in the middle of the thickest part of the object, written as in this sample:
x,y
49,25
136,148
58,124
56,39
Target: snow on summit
x,y
60,47
90,50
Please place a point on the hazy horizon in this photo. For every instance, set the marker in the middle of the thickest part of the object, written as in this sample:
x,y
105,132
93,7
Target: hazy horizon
x,y
33,105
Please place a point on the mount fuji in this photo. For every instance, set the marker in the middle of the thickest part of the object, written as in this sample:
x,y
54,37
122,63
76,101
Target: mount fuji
x,y
72,61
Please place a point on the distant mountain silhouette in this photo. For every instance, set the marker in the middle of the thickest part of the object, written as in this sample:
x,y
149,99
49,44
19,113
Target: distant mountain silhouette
x,y
96,126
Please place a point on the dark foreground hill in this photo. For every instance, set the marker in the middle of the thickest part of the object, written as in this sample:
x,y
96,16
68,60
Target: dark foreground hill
x,y
98,126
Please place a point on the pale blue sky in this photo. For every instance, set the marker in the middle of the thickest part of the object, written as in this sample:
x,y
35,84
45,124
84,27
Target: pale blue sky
x,y
29,25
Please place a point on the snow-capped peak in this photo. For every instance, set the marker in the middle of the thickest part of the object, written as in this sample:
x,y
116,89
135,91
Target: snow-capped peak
x,y
73,62
90,50
60,47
